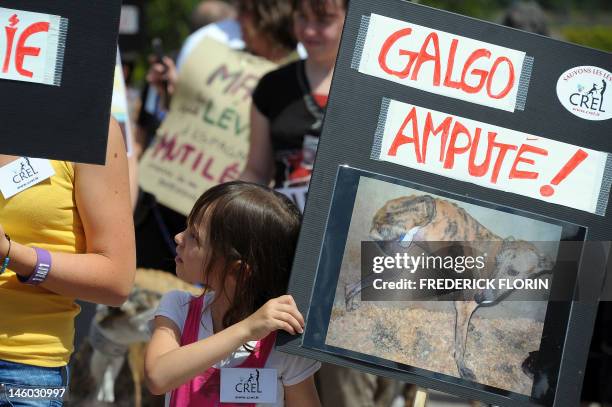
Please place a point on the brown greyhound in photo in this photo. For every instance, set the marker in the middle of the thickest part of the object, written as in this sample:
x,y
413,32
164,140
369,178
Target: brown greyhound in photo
x,y
426,219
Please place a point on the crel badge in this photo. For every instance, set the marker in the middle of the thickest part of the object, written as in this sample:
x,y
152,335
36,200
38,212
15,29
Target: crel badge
x,y
586,92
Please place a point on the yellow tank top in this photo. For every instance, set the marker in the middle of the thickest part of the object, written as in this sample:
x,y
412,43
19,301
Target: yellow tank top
x,y
36,325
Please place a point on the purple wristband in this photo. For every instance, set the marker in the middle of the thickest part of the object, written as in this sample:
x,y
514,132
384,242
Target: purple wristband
x,y
43,266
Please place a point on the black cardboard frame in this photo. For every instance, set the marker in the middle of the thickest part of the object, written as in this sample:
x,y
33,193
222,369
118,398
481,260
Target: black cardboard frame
x,y
67,122
336,236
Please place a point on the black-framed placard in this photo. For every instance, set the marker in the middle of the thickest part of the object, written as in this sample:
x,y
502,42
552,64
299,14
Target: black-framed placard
x,y
56,77
449,129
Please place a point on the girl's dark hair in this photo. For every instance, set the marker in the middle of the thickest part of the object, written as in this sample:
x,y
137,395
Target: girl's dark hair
x,y
273,19
254,225
318,6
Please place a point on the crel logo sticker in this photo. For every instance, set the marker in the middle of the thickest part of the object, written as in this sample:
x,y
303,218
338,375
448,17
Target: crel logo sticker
x,y
586,92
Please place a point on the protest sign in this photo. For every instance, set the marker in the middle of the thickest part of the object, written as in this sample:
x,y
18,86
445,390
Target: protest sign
x,y
443,63
204,139
42,59
56,77
493,156
475,135
119,105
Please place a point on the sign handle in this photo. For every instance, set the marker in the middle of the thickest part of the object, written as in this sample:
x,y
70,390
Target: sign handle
x,y
420,398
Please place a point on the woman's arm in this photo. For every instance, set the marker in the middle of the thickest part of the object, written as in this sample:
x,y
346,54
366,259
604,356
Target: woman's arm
x,y
104,274
133,176
303,394
168,365
260,163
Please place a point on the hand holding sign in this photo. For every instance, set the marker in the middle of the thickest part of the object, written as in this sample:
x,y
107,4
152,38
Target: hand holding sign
x,y
278,313
162,75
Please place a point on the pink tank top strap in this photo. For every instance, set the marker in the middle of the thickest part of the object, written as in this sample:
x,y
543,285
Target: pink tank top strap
x,y
191,328
203,390
258,358
182,396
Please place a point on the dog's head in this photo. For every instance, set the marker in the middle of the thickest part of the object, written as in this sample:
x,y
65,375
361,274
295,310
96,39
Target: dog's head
x,y
400,216
128,323
516,259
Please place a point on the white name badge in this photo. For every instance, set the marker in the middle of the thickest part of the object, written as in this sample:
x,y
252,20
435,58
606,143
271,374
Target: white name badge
x,y
22,174
248,386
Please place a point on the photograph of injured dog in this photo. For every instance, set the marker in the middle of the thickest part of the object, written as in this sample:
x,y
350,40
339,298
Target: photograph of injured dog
x,y
492,339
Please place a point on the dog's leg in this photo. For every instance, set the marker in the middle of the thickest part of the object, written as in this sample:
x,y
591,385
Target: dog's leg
x,y
464,311
136,361
105,369
350,292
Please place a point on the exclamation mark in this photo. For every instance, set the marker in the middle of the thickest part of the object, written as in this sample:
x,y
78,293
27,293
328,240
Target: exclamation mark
x,y
571,165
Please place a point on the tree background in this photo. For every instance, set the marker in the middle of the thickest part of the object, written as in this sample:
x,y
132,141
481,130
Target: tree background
x,y
585,22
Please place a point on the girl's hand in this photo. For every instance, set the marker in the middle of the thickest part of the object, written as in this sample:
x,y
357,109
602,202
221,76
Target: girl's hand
x,y
278,313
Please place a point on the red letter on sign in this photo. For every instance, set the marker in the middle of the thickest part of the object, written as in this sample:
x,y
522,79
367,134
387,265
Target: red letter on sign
x,y
450,65
475,169
429,129
503,149
389,42
479,53
453,149
10,35
23,51
510,78
525,148
424,56
401,139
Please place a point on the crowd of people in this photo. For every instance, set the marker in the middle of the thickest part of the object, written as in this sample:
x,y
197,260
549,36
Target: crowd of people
x,y
74,235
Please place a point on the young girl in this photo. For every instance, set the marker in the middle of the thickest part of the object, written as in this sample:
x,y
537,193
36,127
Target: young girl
x,y
286,120
239,243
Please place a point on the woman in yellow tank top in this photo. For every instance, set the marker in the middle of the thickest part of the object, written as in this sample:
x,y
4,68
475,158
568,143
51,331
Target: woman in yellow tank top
x,y
69,236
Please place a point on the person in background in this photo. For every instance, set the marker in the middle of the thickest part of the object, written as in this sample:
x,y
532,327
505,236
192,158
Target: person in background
x,y
526,16
209,12
152,112
286,118
239,243
67,237
289,103
264,28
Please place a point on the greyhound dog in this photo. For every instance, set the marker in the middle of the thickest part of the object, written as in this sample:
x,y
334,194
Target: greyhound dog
x,y
424,218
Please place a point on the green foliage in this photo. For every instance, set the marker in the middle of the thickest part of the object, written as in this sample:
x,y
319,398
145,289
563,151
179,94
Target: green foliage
x,y
472,8
583,5
599,37
169,20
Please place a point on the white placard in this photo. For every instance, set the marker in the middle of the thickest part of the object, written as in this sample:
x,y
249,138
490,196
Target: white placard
x,y
130,20
119,105
23,173
32,46
442,63
491,156
582,91
248,385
